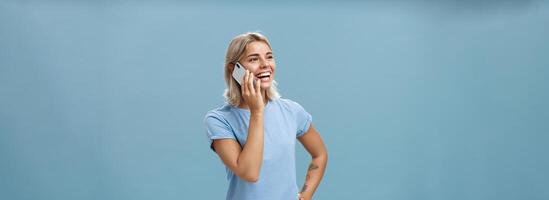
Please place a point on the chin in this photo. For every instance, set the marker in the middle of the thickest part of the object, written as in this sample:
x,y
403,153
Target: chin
x,y
266,86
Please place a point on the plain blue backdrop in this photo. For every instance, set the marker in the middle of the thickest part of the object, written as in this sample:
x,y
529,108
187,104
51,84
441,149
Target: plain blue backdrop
x,y
414,99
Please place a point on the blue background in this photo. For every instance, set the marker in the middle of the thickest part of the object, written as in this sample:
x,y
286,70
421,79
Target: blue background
x,y
414,99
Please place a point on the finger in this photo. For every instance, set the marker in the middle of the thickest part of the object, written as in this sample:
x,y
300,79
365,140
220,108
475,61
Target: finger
x,y
245,83
251,83
258,85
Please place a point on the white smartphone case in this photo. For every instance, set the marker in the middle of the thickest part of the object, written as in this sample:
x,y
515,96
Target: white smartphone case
x,y
238,73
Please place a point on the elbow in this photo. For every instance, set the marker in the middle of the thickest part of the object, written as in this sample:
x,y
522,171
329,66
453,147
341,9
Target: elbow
x,y
321,158
250,177
249,173
321,155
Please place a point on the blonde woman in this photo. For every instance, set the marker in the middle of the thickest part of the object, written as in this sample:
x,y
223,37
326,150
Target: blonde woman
x,y
254,132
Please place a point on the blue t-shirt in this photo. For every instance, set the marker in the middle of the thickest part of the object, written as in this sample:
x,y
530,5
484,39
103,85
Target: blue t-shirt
x,y
284,121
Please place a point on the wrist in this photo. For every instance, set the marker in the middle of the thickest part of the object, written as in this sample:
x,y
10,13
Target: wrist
x,y
258,111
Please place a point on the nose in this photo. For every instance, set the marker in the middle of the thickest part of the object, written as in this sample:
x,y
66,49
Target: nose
x,y
263,64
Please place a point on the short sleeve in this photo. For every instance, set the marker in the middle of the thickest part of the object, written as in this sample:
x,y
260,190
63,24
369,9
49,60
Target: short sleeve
x,y
303,120
217,128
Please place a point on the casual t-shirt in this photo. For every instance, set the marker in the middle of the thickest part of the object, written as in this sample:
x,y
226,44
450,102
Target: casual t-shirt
x,y
284,120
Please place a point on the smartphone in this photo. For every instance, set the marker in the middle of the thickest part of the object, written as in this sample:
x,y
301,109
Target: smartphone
x,y
238,73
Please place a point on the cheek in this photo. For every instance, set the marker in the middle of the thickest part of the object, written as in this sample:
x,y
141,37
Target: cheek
x,y
253,67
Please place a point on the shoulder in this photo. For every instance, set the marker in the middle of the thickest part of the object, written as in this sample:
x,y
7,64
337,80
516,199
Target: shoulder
x,y
220,113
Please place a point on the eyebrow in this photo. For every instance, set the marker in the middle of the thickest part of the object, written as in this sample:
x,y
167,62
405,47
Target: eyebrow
x,y
256,54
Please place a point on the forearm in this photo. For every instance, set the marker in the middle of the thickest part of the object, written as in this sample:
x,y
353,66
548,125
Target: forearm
x,y
315,172
251,157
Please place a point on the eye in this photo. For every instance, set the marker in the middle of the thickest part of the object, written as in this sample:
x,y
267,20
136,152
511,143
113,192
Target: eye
x,y
253,59
270,57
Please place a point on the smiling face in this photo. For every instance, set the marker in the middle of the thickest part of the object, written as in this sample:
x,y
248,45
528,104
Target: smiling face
x,y
258,59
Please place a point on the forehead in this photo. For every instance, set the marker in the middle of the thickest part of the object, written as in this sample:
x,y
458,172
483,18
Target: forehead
x,y
257,47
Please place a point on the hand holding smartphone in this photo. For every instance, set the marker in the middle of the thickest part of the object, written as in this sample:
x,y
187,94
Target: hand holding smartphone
x,y
251,95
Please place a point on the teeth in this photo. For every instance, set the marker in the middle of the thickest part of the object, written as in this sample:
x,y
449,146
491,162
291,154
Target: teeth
x,y
264,74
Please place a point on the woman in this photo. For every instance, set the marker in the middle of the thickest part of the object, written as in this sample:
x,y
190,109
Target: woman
x,y
254,132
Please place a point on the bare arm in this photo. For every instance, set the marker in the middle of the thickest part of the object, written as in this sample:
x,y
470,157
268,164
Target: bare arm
x,y
246,162
312,142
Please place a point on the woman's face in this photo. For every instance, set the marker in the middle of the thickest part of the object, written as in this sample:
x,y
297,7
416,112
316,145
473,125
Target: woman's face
x,y
258,59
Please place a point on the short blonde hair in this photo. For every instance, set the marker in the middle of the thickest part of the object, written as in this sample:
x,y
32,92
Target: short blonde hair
x,y
236,48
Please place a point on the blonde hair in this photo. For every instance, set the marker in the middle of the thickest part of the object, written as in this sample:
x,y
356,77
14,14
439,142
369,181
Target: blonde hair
x,y
235,50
